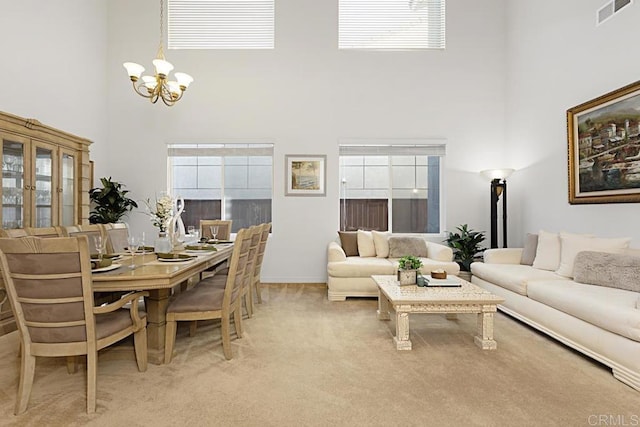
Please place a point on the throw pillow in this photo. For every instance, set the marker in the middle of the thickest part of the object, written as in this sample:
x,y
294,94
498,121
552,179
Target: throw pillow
x,y
349,242
607,269
571,244
401,246
366,248
381,242
548,251
529,249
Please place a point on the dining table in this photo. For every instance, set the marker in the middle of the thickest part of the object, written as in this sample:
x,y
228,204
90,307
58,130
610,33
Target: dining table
x,y
160,278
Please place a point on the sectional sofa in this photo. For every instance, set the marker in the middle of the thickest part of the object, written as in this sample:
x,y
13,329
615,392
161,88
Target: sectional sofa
x,y
582,290
357,255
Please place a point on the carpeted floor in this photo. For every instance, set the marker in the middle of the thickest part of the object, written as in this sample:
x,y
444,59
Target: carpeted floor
x,y
306,361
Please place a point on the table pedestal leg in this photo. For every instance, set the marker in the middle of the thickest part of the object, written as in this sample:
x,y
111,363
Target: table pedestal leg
x,y
156,305
402,332
484,339
383,306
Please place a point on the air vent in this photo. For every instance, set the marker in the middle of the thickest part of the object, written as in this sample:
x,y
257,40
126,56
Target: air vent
x,y
607,11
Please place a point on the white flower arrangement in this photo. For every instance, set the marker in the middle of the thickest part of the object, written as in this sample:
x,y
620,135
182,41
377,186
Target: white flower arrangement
x,y
163,212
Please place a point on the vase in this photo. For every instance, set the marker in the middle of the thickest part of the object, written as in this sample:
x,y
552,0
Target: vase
x,y
162,244
407,277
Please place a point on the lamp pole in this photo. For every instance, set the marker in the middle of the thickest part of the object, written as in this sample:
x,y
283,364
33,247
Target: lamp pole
x,y
495,183
504,213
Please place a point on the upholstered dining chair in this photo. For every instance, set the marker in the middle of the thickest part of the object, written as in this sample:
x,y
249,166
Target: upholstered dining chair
x,y
212,302
48,282
45,232
90,230
13,232
256,285
224,228
117,237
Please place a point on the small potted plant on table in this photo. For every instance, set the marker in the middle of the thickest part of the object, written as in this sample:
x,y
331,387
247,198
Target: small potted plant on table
x,y
408,267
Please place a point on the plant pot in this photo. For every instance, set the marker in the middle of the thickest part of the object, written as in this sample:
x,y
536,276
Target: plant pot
x,y
465,275
407,277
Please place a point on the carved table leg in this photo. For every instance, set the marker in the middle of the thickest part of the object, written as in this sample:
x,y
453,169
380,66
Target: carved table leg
x,y
156,305
383,306
402,331
484,339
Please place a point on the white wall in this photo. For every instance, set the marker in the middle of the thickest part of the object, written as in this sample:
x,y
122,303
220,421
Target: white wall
x,y
53,66
306,95
557,59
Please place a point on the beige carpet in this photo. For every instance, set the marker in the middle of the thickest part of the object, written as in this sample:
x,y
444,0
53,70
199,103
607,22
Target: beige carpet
x,y
308,361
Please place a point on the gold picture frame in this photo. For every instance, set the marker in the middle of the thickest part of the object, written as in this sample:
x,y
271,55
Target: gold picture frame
x,y
604,148
305,175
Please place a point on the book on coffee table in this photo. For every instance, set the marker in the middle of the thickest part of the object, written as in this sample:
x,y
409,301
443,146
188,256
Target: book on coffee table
x,y
448,282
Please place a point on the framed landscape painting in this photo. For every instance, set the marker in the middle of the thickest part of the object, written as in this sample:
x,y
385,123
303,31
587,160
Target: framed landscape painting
x,y
305,175
604,148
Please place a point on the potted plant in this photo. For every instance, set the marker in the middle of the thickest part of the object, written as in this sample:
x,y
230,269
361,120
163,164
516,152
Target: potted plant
x,y
408,267
466,247
110,203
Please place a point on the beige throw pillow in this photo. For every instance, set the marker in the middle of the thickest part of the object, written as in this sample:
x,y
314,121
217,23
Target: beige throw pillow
x,y
366,248
548,251
401,246
529,249
571,244
381,242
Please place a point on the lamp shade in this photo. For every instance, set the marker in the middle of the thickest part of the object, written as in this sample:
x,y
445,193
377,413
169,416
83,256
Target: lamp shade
x,y
492,174
163,68
134,70
184,80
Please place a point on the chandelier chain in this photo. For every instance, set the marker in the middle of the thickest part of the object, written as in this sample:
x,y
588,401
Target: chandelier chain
x,y
161,21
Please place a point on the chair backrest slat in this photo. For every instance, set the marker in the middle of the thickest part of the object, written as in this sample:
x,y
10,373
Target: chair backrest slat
x,y
224,228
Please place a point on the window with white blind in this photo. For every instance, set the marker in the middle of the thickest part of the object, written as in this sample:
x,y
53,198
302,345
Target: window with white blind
x,y
220,24
391,24
223,181
395,186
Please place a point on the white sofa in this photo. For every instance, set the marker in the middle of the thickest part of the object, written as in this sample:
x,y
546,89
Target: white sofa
x,y
600,321
350,276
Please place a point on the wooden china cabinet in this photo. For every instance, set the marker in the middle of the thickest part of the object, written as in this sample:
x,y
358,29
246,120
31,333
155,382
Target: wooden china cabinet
x,y
45,181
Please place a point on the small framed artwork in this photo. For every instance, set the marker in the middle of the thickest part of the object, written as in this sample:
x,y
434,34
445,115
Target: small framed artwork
x,y
305,175
604,148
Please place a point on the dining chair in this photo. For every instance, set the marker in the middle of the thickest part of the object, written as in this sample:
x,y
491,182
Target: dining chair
x,y
255,232
117,237
212,302
224,228
256,285
48,282
89,230
13,232
45,232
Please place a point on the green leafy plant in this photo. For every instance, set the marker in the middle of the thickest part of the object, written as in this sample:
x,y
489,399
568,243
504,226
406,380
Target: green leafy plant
x,y
409,262
466,245
110,203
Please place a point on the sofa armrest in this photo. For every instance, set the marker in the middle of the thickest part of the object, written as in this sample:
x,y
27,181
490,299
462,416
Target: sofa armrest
x,y
503,256
439,252
335,252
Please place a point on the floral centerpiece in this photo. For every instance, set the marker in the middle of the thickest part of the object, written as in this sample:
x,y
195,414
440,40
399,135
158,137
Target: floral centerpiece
x,y
163,212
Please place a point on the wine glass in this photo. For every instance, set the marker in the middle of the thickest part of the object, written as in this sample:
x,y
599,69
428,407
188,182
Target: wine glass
x,y
141,242
214,231
99,245
132,243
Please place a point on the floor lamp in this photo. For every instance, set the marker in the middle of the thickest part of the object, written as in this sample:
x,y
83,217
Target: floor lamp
x,y
498,179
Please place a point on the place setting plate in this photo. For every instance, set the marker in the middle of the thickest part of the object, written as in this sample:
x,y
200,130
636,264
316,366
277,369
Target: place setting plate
x,y
107,268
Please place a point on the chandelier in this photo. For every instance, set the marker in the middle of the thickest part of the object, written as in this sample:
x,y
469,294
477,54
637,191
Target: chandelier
x,y
158,86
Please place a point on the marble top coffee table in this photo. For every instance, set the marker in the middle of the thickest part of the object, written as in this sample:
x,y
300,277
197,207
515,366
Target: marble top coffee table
x,y
467,298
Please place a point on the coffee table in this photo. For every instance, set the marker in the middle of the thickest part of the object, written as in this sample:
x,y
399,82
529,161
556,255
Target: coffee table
x,y
467,298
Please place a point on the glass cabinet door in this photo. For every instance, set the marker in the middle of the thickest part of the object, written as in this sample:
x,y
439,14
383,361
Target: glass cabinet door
x,y
42,196
13,183
67,189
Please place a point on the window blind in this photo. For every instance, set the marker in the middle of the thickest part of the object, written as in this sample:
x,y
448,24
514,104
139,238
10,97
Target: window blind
x,y
391,24
220,24
399,149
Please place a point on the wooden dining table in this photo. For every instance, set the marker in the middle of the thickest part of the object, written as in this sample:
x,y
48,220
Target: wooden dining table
x,y
160,279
